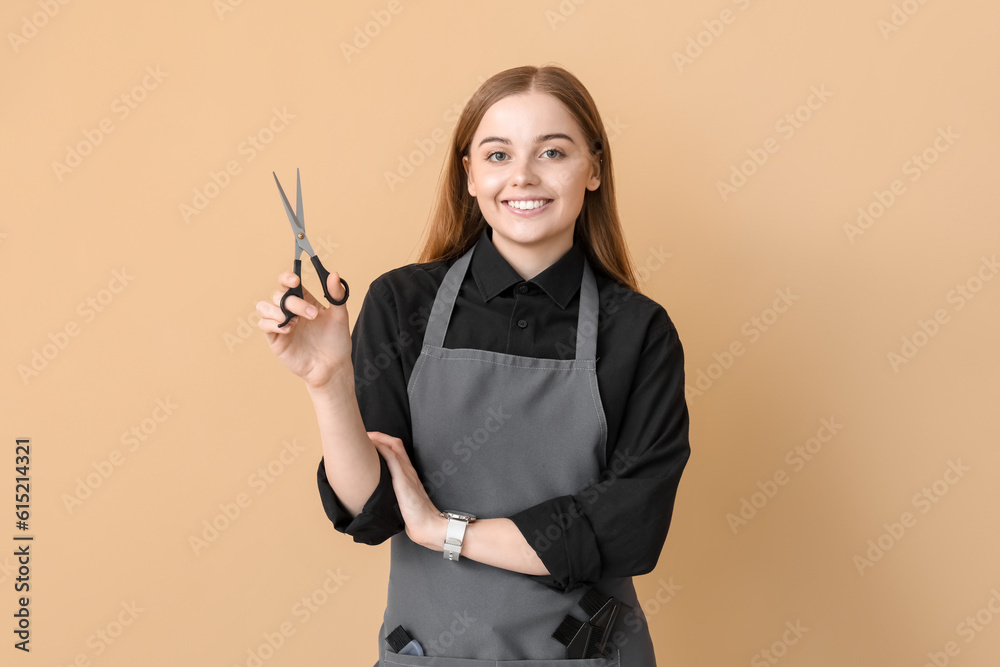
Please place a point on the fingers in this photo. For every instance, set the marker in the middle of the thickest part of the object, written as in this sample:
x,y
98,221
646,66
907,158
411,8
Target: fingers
x,y
287,279
384,449
306,295
392,450
391,460
271,313
293,304
384,441
271,316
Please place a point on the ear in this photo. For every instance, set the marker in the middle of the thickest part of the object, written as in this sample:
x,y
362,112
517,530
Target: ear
x,y
595,178
471,184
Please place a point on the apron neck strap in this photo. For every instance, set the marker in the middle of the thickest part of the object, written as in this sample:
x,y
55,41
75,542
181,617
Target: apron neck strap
x,y
444,304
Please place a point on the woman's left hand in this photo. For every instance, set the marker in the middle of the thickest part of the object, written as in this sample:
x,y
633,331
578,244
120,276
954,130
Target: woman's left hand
x,y
424,523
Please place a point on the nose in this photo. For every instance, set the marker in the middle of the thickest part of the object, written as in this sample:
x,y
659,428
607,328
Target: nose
x,y
524,173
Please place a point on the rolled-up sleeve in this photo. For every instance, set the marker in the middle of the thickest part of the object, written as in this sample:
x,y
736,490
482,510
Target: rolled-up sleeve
x,y
616,526
382,399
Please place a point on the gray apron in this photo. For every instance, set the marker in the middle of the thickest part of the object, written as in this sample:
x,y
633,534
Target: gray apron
x,y
494,434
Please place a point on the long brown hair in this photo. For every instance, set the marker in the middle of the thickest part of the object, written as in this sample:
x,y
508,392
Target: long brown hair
x,y
457,222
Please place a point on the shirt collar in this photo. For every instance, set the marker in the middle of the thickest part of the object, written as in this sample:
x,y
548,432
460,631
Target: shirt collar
x,y
493,274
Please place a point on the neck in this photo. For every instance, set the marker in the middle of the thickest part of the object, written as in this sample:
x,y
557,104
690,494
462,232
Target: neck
x,y
531,259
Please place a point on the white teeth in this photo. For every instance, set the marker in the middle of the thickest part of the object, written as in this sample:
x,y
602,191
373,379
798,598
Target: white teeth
x,y
528,204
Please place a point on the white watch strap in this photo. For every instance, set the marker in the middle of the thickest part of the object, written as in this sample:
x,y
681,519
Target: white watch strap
x,y
453,539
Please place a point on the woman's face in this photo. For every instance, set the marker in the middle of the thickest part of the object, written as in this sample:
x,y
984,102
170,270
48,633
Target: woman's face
x,y
529,167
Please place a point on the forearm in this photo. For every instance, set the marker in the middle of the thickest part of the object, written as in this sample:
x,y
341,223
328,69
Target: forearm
x,y
350,459
495,542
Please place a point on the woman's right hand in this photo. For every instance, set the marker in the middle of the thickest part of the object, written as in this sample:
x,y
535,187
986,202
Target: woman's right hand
x,y
317,342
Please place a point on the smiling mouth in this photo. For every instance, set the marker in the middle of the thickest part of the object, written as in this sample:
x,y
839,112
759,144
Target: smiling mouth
x,y
526,204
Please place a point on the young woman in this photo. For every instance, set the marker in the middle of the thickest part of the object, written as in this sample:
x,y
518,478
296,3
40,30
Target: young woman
x,y
510,410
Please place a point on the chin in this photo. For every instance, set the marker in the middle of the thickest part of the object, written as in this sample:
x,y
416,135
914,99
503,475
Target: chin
x,y
528,230
524,233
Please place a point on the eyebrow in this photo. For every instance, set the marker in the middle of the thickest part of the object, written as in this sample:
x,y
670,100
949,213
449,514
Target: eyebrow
x,y
539,139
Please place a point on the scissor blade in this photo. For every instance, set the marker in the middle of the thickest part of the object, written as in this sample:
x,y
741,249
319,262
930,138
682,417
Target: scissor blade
x,y
299,213
297,227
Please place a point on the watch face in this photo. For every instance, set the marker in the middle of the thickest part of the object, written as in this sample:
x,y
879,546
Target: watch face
x,y
458,515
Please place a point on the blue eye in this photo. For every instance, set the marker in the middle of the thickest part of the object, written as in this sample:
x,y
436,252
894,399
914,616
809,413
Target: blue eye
x,y
554,150
489,158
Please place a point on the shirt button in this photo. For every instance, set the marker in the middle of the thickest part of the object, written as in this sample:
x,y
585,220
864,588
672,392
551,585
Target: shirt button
x,y
522,289
522,323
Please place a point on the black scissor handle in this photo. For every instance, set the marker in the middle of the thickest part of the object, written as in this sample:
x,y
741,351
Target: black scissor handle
x,y
323,275
297,290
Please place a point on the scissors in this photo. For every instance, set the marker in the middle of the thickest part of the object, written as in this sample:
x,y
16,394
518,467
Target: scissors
x,y
302,244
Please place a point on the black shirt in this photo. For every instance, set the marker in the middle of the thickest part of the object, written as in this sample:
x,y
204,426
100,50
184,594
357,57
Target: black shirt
x,y
616,526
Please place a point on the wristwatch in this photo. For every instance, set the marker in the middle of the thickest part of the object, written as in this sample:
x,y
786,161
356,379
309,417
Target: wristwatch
x,y
457,523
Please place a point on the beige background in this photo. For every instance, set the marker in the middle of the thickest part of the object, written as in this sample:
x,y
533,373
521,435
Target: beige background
x,y
179,329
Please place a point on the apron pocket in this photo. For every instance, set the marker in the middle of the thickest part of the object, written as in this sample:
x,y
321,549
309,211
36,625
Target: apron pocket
x,y
396,660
